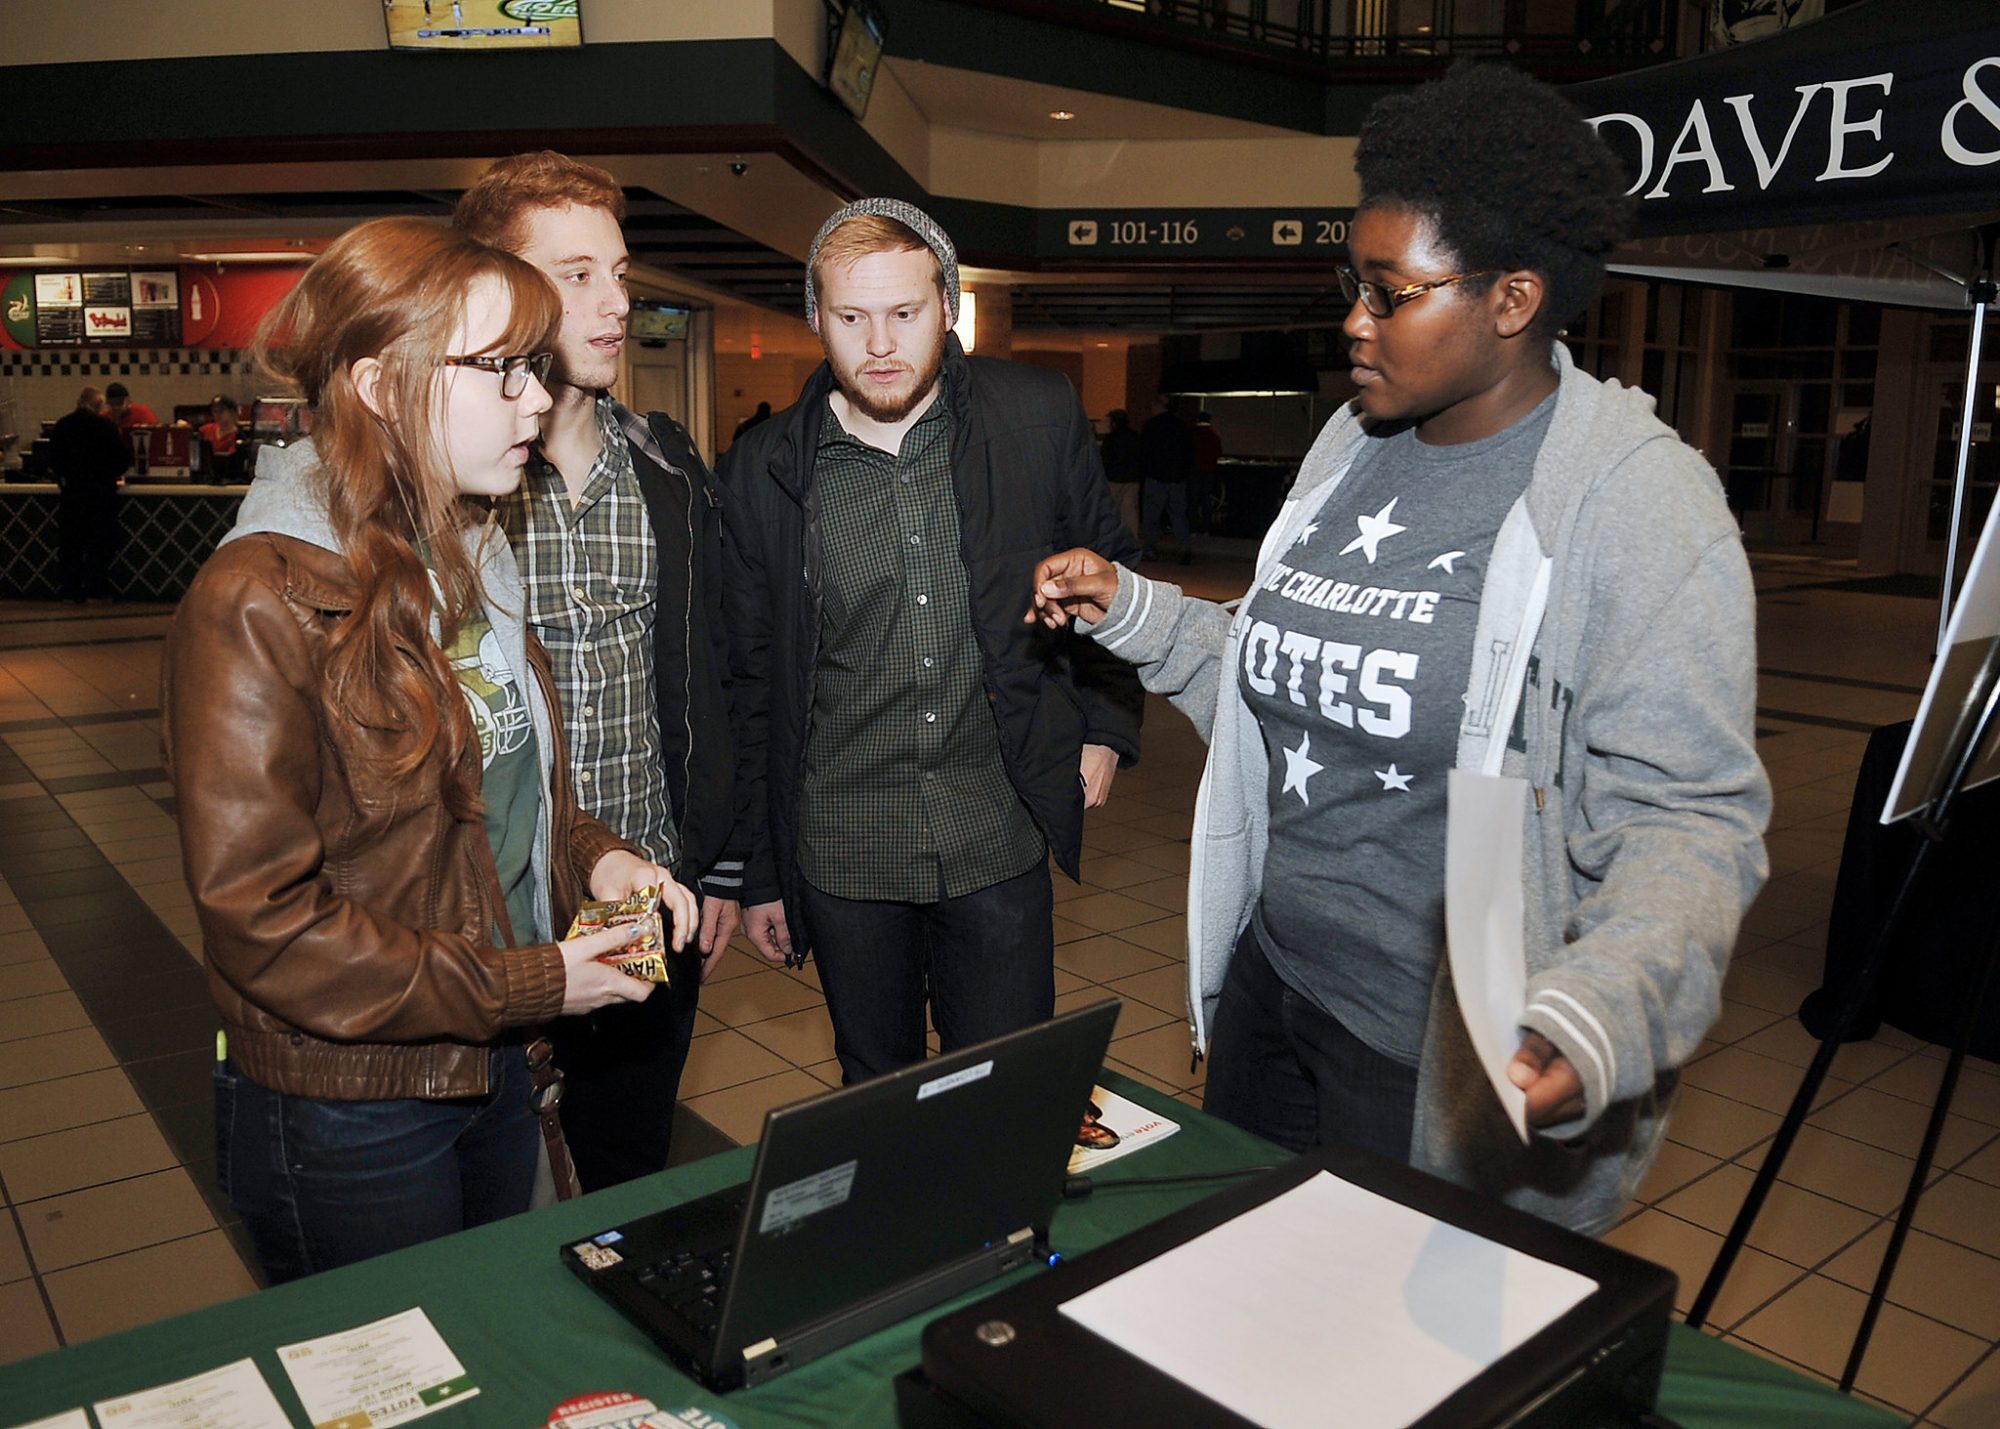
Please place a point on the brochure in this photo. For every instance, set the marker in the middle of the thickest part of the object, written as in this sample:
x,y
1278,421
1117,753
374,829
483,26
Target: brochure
x,y
231,1397
1114,1127
378,1374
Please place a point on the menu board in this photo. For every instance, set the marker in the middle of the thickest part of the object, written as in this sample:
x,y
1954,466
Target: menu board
x,y
110,307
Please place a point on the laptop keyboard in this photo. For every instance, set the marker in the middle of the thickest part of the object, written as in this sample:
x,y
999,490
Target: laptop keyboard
x,y
692,1285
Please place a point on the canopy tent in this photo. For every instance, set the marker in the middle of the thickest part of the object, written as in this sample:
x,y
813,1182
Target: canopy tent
x,y
1856,157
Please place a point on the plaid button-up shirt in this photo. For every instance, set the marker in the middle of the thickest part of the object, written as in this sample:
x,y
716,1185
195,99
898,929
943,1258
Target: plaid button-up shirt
x,y
906,798
591,571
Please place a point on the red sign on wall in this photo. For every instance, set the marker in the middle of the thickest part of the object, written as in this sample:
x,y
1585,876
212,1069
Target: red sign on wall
x,y
170,308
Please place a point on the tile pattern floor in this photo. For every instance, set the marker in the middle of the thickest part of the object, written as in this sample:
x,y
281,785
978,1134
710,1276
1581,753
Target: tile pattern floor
x,y
106,1158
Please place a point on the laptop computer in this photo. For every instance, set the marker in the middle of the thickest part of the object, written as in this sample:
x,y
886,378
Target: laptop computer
x,y
866,1205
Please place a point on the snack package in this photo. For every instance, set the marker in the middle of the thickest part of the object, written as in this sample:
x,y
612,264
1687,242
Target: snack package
x,y
645,957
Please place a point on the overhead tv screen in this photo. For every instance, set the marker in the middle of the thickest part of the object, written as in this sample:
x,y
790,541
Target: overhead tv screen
x,y
483,24
850,73
651,322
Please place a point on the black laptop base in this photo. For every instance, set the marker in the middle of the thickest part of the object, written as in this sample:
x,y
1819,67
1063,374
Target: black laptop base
x,y
1015,1359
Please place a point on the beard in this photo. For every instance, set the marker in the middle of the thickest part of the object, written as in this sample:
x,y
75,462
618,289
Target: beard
x,y
899,401
578,364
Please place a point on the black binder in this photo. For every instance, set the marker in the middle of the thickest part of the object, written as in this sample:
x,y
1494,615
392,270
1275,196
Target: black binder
x,y
1015,1359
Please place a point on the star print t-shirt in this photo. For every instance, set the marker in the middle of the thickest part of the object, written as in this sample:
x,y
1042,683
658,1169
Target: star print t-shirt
x,y
1354,662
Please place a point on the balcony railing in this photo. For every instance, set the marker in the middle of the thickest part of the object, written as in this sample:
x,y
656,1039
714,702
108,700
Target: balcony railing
x,y
1591,32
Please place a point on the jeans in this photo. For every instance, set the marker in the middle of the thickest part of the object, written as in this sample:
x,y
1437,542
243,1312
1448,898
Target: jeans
x,y
322,1183
621,1069
1165,501
1287,1070
986,961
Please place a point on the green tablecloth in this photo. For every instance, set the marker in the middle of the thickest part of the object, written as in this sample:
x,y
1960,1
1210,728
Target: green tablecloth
x,y
532,1336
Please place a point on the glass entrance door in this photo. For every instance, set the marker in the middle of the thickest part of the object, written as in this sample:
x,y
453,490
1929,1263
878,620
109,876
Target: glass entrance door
x,y
1758,475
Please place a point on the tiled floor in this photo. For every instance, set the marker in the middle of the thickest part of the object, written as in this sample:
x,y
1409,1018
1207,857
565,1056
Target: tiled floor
x,y
105,1151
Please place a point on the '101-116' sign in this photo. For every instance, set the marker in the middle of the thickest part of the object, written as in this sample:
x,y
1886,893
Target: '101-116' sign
x,y
1212,233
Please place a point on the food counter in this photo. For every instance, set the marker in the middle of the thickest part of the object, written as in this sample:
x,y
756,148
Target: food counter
x,y
169,529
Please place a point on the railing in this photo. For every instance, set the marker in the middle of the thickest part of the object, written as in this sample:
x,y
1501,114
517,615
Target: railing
x,y
1334,31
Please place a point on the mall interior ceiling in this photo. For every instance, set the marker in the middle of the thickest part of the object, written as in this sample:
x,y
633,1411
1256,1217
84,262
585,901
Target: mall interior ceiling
x,y
1200,181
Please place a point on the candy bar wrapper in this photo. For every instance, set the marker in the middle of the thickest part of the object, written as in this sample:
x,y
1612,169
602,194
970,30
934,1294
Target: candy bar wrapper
x,y
645,957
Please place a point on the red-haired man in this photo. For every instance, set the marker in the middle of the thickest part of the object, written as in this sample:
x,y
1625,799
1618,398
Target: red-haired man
x,y
618,531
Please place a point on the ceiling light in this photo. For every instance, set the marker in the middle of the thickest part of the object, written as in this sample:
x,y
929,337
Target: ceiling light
x,y
967,326
257,257
1062,114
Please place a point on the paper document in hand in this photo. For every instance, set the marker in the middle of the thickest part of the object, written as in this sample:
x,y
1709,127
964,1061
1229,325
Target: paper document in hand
x,y
1114,1127
1482,923
1330,1304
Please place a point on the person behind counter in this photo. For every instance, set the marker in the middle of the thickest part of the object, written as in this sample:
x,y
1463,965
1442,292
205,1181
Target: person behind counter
x,y
88,456
125,414
1491,563
375,809
222,431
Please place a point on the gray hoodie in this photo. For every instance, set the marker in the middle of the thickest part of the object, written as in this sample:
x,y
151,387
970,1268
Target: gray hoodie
x,y
288,498
1614,663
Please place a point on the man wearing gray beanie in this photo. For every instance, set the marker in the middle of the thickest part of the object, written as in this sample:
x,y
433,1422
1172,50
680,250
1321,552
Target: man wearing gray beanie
x,y
911,752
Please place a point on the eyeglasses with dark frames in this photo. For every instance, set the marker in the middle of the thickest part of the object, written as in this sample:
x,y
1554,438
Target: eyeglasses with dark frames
x,y
513,368
1382,300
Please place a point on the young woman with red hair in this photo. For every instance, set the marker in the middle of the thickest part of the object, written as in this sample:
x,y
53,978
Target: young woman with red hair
x,y
375,811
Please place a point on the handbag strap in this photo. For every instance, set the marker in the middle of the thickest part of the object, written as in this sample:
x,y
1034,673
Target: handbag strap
x,y
547,1101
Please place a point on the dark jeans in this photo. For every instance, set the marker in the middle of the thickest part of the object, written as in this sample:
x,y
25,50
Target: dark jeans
x,y
621,1069
986,961
1283,1068
87,537
323,1183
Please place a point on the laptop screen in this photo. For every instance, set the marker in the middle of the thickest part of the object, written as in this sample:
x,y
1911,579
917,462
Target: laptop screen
x,y
863,1189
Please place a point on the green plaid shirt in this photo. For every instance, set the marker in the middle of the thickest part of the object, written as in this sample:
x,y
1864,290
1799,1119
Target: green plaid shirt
x,y
591,571
905,794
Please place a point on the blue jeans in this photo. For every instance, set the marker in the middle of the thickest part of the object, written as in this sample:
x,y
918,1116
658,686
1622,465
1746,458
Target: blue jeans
x,y
986,960
322,1183
1285,1069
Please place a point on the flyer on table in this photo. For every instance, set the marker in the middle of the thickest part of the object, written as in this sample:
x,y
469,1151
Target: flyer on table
x,y
73,1420
231,1397
377,1374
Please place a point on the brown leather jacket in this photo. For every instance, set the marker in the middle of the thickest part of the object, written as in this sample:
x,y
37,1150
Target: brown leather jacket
x,y
348,922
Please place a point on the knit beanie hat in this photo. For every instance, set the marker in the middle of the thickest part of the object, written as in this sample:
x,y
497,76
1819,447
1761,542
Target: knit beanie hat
x,y
912,218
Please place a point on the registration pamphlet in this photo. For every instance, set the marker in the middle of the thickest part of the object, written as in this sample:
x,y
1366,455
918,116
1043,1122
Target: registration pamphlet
x,y
232,1397
1114,1127
377,1374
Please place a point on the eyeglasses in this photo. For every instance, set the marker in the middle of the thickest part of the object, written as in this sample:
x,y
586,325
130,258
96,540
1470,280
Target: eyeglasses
x,y
513,369
1381,301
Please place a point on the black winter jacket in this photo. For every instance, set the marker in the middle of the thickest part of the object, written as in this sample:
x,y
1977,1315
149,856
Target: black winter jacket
x,y
684,506
1028,483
